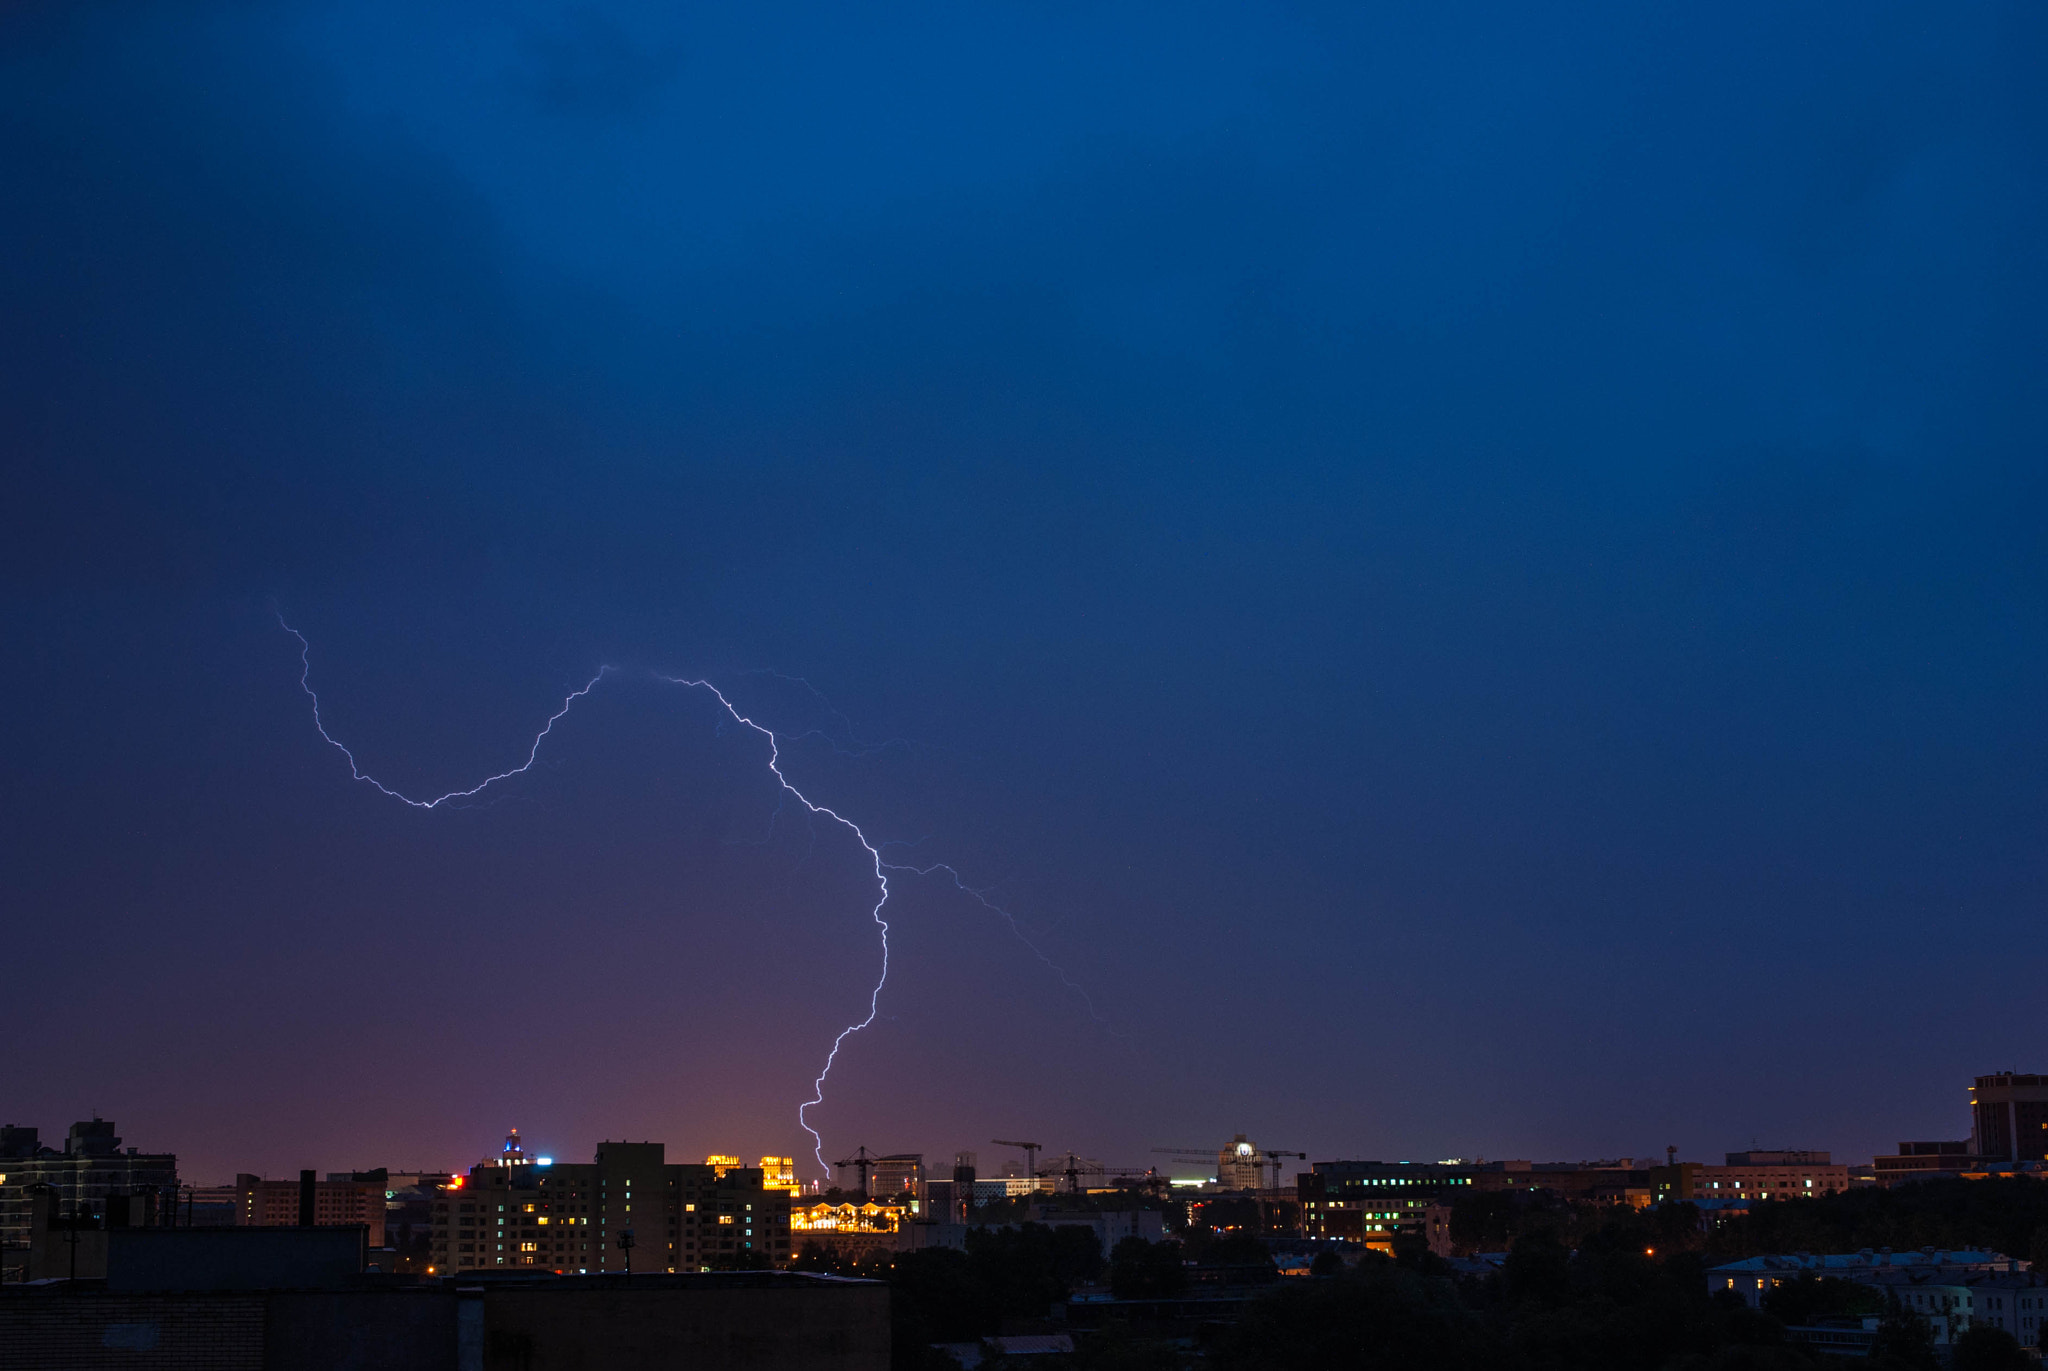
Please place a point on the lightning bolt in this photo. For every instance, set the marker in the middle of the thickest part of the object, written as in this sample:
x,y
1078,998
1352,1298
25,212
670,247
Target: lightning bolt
x,y
532,753
882,868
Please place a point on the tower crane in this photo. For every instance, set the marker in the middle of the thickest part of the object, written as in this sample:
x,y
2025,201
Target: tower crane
x,y
1273,1159
1030,1153
1071,1171
1264,1156
861,1160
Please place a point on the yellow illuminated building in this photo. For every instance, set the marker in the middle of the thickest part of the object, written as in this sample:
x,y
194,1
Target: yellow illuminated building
x,y
777,1173
823,1218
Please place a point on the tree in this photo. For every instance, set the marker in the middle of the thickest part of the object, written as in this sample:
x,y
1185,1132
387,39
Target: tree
x,y
1989,1349
1905,1342
1538,1268
1235,1250
1140,1270
1376,1317
1810,1298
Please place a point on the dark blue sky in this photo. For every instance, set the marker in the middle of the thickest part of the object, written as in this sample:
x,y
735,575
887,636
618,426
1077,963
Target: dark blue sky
x,y
1475,575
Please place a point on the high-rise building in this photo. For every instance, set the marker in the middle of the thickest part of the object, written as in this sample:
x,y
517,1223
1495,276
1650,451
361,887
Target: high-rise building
x,y
2009,1117
1240,1165
629,1211
898,1175
84,1178
779,1173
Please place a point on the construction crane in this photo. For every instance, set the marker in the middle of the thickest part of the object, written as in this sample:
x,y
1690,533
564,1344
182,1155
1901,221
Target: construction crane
x,y
1030,1153
1072,1171
861,1160
1265,1156
1200,1154
1273,1158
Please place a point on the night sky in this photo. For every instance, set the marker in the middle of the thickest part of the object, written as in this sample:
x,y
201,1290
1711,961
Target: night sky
x,y
1473,576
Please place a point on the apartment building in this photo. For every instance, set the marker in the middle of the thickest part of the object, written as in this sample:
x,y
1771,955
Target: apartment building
x,y
629,1210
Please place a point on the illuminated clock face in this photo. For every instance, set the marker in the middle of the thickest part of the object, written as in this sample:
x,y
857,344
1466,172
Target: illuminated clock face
x,y
1244,1149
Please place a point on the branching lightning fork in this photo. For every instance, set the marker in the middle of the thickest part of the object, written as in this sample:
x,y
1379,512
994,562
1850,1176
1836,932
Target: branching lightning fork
x,y
532,753
882,868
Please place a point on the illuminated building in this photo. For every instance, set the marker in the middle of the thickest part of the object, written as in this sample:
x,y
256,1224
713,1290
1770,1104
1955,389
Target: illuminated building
x,y
90,1171
901,1174
1949,1291
1376,1202
2009,1117
570,1217
2008,1135
513,1153
1752,1176
824,1217
853,1232
1010,1187
779,1173
1240,1165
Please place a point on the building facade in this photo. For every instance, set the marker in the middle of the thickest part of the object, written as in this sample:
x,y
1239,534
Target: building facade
x,y
1376,1202
84,1178
337,1202
1751,1176
1924,1269
629,1210
2009,1117
896,1176
1617,1180
1920,1161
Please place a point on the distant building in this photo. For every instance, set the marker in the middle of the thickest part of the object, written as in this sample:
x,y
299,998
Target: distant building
x,y
822,1218
1953,1291
1436,1229
209,1206
1619,1180
779,1173
1753,1279
261,1203
629,1210
1780,1175
1375,1202
947,1201
900,1174
2016,1302
1240,1165
2008,1136
1925,1161
2009,1117
84,1178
